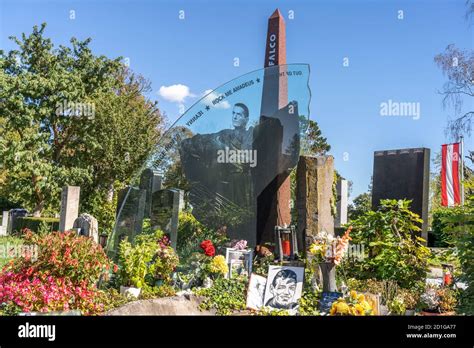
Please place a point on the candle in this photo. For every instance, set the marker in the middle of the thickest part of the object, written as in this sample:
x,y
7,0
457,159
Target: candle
x,y
286,247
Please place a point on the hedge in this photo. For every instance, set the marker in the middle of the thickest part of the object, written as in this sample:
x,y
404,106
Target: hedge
x,y
35,224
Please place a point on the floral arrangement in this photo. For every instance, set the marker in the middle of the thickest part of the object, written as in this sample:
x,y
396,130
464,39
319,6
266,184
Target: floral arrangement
x,y
327,248
218,266
354,304
208,247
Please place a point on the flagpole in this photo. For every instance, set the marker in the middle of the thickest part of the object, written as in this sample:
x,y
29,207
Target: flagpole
x,y
462,170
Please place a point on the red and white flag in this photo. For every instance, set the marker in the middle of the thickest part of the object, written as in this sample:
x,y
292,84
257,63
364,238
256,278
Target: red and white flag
x,y
450,178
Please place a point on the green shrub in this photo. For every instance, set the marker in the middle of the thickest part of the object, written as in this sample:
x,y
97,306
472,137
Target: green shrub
x,y
35,224
225,296
393,249
148,261
65,254
440,227
460,225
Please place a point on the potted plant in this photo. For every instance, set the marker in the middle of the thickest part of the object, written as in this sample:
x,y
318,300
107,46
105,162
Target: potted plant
x,y
133,266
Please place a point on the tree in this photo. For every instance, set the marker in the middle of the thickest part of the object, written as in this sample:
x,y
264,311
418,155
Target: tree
x,y
360,205
312,141
69,117
458,66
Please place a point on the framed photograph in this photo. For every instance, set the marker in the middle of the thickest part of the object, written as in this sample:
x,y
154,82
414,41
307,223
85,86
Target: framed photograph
x,y
284,287
256,291
239,262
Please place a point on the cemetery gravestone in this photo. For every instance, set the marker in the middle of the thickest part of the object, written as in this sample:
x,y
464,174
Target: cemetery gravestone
x,y
341,205
150,181
12,216
69,207
314,177
166,206
88,226
130,214
403,174
4,226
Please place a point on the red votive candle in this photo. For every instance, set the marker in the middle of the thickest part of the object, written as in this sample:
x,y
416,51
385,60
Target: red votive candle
x,y
286,247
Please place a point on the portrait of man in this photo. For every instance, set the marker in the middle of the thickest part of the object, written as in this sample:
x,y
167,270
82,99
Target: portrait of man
x,y
218,169
284,287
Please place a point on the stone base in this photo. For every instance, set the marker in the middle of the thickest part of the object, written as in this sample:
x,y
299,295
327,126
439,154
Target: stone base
x,y
176,305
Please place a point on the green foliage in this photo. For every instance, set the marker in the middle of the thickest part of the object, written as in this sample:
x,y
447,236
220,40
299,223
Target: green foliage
x,y
309,303
261,264
439,226
360,205
225,296
35,224
157,292
312,142
461,230
396,306
46,143
147,261
7,244
394,250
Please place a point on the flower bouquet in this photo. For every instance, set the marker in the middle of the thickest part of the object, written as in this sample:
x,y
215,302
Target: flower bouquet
x,y
354,304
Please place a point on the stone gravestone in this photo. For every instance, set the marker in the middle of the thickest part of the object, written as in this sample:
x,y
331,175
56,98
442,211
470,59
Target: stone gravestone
x,y
4,226
12,216
129,221
341,205
88,225
403,174
166,206
69,207
150,181
314,178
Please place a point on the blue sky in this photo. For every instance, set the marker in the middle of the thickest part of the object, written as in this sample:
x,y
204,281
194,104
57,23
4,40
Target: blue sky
x,y
389,58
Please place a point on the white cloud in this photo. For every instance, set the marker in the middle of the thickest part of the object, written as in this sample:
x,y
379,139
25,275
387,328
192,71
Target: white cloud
x,y
175,93
211,96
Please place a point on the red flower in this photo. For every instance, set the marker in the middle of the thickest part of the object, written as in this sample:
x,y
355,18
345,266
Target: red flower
x,y
115,268
208,248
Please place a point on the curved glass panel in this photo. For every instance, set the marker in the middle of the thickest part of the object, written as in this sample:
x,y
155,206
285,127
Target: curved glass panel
x,y
221,154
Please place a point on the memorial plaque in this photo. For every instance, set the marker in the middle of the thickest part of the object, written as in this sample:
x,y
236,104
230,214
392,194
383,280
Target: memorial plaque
x,y
403,174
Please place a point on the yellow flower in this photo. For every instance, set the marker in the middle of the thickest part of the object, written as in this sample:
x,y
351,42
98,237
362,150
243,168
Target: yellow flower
x,y
353,294
359,309
218,265
342,308
361,298
367,307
